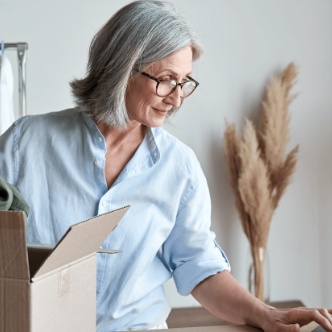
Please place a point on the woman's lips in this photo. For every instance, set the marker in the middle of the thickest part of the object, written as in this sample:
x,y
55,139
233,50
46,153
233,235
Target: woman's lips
x,y
161,111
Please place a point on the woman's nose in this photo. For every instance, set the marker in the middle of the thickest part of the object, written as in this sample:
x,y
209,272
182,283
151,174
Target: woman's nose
x,y
174,98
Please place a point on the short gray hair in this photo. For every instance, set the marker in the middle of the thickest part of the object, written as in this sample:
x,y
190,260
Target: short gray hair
x,y
139,34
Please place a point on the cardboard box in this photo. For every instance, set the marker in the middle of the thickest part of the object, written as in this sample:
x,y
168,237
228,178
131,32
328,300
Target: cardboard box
x,y
50,289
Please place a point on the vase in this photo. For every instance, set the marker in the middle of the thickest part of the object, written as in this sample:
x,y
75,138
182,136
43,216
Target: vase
x,y
259,273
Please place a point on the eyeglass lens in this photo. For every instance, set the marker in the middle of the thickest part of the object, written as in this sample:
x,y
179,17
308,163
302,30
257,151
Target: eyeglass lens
x,y
165,88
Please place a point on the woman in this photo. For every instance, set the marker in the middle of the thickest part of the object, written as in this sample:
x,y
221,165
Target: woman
x,y
111,151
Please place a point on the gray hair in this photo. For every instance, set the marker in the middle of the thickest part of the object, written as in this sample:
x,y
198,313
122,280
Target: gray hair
x,y
139,34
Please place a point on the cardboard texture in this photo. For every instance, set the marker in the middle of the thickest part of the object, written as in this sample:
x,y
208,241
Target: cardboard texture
x,y
50,289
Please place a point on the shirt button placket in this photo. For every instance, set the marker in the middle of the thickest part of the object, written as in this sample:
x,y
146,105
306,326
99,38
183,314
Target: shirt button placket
x,y
99,171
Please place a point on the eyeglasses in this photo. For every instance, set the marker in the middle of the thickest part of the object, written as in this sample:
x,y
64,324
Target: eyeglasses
x,y
166,87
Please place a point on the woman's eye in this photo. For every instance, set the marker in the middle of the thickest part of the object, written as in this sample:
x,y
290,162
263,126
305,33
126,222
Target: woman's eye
x,y
167,78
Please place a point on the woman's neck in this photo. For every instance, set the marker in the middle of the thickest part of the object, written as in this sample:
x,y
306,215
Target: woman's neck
x,y
115,137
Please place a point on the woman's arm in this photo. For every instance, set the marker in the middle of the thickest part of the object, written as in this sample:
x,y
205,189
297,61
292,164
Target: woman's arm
x,y
224,297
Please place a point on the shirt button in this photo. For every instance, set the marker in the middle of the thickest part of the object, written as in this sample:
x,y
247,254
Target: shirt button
x,y
96,162
100,139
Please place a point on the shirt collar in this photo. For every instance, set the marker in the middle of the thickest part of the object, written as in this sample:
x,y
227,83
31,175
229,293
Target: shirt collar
x,y
152,145
150,136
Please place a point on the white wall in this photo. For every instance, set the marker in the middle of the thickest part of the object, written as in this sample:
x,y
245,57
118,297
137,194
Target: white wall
x,y
245,42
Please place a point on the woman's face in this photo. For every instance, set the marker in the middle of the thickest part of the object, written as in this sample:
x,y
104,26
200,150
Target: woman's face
x,y
143,104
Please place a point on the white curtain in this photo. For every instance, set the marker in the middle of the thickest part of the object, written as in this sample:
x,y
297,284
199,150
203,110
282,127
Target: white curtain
x,y
6,94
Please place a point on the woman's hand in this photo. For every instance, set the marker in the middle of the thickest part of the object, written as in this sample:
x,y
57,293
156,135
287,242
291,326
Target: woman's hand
x,y
292,319
224,297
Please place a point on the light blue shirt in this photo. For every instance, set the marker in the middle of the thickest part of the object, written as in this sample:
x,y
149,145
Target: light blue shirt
x,y
56,161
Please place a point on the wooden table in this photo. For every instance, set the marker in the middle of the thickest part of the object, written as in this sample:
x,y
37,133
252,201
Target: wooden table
x,y
219,328
198,319
229,328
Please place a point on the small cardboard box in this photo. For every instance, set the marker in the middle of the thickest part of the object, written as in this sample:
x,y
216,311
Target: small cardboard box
x,y
50,289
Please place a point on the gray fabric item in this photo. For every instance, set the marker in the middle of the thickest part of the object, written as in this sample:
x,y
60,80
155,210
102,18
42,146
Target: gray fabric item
x,y
11,199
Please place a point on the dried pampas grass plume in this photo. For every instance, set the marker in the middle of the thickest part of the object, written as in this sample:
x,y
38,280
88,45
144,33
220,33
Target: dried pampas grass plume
x,y
259,169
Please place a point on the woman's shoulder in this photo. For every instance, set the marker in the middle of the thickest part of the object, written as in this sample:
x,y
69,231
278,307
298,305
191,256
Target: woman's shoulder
x,y
47,122
47,117
43,128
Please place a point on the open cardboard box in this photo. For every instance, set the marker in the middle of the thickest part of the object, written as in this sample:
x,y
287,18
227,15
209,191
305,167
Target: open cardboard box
x,y
50,289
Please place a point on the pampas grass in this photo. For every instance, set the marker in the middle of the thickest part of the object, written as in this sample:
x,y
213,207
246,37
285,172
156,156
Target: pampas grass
x,y
259,169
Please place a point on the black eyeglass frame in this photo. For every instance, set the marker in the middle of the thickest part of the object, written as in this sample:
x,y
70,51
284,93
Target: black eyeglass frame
x,y
175,86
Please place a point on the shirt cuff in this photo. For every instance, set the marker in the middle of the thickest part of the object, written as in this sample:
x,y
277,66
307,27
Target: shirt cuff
x,y
189,274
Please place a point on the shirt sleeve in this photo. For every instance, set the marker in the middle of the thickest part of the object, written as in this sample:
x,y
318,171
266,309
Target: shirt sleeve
x,y
191,249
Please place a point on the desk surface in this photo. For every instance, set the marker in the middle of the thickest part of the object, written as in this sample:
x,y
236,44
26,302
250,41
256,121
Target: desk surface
x,y
219,328
229,328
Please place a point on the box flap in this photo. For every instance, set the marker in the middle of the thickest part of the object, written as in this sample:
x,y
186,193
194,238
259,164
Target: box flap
x,y
82,239
13,249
